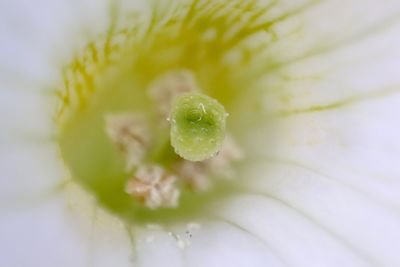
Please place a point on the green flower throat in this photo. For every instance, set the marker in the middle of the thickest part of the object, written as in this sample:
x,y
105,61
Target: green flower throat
x,y
143,119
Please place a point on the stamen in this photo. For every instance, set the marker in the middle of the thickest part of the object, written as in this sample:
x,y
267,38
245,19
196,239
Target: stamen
x,y
193,175
221,165
196,174
153,187
170,85
131,135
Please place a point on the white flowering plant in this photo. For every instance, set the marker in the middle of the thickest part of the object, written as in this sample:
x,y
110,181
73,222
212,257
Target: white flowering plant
x,y
200,133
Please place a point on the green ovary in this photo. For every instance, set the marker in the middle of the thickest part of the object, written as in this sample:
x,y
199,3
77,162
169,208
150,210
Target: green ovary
x,y
113,79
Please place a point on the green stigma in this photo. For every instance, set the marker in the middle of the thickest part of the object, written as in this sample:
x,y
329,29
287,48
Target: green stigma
x,y
197,126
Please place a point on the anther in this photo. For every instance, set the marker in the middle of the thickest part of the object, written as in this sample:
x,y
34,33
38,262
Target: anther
x,y
131,135
170,85
153,187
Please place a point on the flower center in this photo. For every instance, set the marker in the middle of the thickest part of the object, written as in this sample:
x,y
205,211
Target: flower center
x,y
197,133
123,153
142,116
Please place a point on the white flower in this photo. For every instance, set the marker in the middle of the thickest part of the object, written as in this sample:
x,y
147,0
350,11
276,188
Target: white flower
x,y
318,183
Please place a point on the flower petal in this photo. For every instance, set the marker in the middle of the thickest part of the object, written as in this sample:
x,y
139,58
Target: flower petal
x,y
29,172
297,239
156,247
338,168
40,235
224,244
362,225
329,197
106,238
110,244
356,145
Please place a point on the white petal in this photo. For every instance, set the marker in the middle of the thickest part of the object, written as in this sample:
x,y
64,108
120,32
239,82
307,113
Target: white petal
x,y
42,235
339,169
38,38
110,243
363,70
363,226
297,239
356,145
224,244
29,172
105,237
325,26
157,247
313,210
26,116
